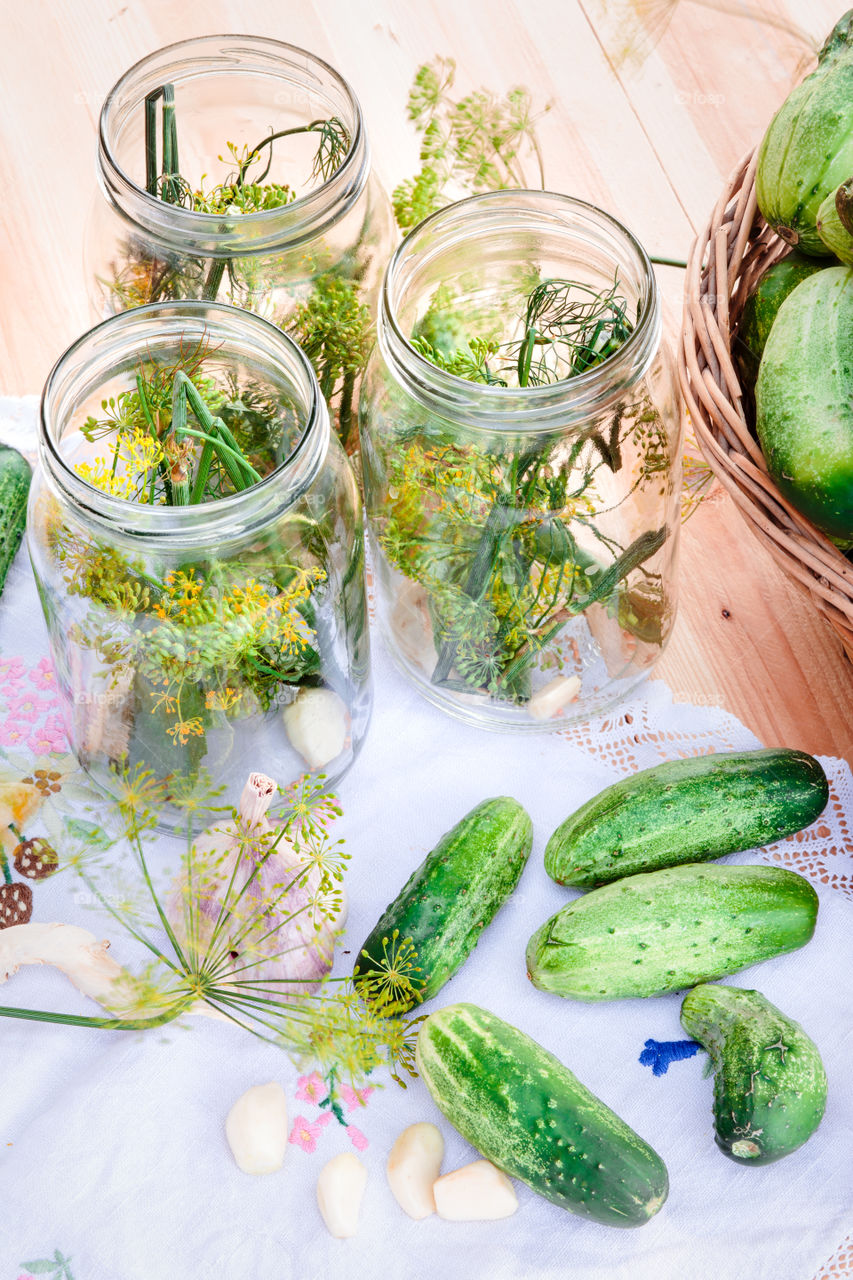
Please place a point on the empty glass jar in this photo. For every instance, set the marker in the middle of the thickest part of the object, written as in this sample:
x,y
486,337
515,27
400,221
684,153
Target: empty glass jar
x,y
521,459
202,639
237,169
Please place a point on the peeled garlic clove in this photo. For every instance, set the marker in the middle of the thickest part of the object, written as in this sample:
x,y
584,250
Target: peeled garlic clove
x,y
553,697
256,1129
316,724
414,1163
477,1192
340,1188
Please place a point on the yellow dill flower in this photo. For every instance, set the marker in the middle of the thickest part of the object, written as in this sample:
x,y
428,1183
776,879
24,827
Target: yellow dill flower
x,y
221,700
140,451
183,730
100,476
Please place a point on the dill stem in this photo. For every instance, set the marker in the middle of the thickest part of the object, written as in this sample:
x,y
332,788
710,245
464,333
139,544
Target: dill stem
x,y
267,142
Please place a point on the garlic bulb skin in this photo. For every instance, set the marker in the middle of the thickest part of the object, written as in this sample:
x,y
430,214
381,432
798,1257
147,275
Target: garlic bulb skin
x,y
299,941
317,723
256,1129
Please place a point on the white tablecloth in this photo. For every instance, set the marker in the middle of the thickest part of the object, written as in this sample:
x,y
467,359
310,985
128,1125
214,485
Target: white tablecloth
x,y
112,1147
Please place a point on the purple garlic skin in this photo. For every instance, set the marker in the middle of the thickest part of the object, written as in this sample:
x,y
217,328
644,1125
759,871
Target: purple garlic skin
x,y
283,941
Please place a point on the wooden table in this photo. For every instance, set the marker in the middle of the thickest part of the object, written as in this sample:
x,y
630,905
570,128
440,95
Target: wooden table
x,y
648,116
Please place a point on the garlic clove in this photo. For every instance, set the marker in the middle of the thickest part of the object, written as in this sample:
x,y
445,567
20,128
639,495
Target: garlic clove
x,y
316,723
256,1129
554,697
477,1192
414,1163
340,1190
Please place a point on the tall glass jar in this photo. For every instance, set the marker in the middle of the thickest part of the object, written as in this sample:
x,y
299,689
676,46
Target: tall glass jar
x,y
197,643
524,537
312,264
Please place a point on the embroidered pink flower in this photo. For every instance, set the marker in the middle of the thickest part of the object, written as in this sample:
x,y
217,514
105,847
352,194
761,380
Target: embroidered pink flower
x,y
48,737
311,1088
305,1133
26,706
12,734
355,1097
43,675
357,1138
11,671
324,1118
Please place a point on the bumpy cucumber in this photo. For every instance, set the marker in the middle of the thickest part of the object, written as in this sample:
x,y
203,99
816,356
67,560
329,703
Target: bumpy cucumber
x,y
666,930
526,1112
804,400
769,1081
451,897
762,306
687,811
15,476
808,148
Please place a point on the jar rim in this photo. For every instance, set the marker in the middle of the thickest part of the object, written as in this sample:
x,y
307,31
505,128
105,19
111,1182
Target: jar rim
x,y
256,504
433,385
301,219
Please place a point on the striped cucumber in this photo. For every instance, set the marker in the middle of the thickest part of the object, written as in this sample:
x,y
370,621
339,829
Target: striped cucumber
x,y
450,898
769,1081
526,1112
666,930
687,811
15,476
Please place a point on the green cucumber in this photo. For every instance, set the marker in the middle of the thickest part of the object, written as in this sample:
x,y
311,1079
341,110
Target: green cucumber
x,y
15,476
523,1110
451,897
804,401
769,1081
761,308
831,228
687,811
666,930
807,150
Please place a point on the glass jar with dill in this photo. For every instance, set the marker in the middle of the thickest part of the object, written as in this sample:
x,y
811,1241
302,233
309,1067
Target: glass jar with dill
x,y
195,531
237,169
521,458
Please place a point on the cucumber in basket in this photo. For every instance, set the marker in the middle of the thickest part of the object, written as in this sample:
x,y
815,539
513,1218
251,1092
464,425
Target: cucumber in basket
x,y
526,1112
769,1081
451,897
15,479
666,930
687,811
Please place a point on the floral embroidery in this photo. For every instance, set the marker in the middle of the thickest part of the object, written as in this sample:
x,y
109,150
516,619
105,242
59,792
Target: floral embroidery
x,y
311,1088
305,1133
57,1268
29,713
43,675
332,1099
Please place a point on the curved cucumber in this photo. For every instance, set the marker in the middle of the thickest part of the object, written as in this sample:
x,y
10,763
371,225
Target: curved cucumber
x,y
769,1081
526,1112
762,306
687,811
451,897
804,400
670,929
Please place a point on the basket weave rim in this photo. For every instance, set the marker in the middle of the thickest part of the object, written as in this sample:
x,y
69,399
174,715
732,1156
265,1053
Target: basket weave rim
x,y
734,248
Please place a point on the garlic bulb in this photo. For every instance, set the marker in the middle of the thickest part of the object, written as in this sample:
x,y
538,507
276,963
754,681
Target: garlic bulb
x,y
275,921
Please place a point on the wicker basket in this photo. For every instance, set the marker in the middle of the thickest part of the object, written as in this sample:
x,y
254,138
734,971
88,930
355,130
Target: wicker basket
x,y
726,259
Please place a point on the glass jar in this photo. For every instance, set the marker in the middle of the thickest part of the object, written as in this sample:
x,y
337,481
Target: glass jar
x,y
524,537
312,265
198,643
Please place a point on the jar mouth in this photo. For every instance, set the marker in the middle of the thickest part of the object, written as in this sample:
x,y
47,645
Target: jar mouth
x,y
185,62
110,347
520,216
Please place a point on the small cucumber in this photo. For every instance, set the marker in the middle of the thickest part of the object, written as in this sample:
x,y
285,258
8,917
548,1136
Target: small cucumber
x,y
769,1081
451,897
526,1112
666,930
687,811
15,476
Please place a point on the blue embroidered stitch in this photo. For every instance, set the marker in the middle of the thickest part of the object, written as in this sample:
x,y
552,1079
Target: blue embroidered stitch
x,y
658,1054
